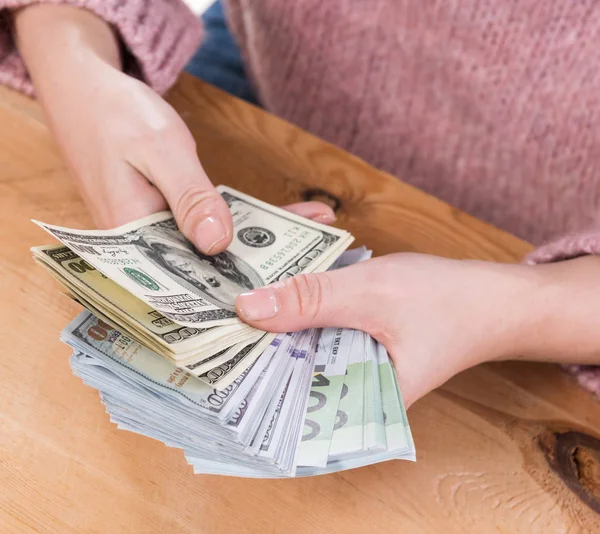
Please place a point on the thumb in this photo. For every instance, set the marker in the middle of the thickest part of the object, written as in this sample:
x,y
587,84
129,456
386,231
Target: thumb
x,y
335,298
200,211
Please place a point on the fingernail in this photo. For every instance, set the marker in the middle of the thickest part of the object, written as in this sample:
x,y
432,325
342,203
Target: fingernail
x,y
258,305
326,218
209,233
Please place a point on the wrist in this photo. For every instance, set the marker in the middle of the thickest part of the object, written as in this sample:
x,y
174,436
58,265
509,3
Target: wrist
x,y
64,45
498,310
551,312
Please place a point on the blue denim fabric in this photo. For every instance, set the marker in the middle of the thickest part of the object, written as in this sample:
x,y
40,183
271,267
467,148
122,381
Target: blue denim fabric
x,y
218,60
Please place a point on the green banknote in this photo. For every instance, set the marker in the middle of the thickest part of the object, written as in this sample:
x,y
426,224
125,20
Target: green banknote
x,y
373,421
396,424
348,430
326,388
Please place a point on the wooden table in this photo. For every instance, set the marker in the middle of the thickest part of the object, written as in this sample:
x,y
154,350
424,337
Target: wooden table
x,y
501,448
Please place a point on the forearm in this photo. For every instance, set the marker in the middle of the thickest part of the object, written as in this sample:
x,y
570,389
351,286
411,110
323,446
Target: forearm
x,y
63,48
558,319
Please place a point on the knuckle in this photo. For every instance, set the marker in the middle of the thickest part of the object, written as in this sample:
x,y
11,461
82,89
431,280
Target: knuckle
x,y
193,202
146,134
156,131
309,291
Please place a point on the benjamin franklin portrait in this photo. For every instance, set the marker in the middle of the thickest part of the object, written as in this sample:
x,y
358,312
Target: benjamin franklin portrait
x,y
218,279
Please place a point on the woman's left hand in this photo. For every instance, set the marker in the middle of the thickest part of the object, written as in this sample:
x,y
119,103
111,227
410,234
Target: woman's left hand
x,y
435,316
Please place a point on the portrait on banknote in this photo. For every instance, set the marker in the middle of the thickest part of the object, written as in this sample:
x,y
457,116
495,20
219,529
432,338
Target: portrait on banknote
x,y
218,279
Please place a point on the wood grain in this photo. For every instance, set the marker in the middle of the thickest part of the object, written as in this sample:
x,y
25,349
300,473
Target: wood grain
x,y
501,448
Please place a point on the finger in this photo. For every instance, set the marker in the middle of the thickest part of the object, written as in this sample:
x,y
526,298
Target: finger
x,y
313,210
341,298
200,211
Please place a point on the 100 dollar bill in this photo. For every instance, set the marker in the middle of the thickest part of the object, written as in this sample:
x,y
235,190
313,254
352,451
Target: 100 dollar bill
x,y
91,335
151,259
102,296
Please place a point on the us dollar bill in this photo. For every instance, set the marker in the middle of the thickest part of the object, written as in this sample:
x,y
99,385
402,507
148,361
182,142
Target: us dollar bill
x,y
91,335
152,260
223,374
105,298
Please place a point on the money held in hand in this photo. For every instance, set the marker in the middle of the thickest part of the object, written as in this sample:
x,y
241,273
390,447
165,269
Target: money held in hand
x,y
152,260
161,343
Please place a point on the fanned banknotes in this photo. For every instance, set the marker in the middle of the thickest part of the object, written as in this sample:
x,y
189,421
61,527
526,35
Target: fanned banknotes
x,y
161,343
276,419
148,280
152,260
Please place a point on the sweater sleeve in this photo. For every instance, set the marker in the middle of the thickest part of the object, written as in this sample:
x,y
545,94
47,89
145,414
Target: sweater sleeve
x,y
566,248
159,35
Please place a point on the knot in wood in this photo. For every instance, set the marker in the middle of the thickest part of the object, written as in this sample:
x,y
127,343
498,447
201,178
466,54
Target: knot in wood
x,y
321,195
577,461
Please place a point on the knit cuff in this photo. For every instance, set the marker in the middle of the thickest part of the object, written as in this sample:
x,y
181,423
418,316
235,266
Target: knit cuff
x,y
161,35
566,248
588,376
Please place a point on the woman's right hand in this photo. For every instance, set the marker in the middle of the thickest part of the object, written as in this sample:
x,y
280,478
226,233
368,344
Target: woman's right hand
x,y
130,152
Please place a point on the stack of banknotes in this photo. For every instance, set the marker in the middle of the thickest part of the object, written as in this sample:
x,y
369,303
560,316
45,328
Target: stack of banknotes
x,y
161,342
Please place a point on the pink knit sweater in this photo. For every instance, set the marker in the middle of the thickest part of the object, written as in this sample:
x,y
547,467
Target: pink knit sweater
x,y
491,105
